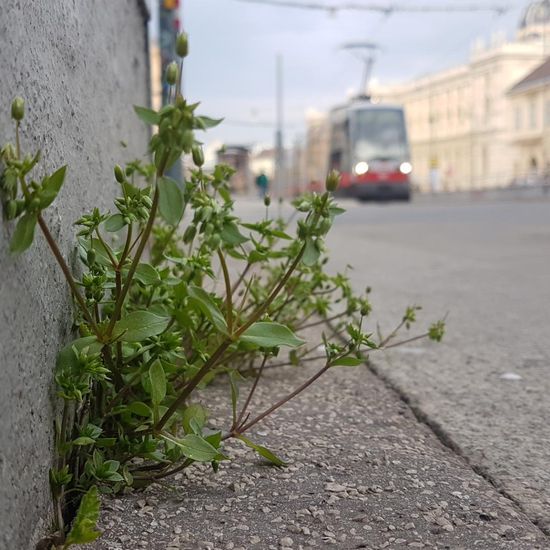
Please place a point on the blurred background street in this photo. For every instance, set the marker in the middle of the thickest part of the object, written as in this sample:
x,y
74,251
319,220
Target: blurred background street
x,y
443,104
470,79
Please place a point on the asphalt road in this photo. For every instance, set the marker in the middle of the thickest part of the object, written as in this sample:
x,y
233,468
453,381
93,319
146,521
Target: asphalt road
x,y
487,386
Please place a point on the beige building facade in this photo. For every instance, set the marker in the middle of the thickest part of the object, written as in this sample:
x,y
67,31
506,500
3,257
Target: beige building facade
x,y
530,100
464,128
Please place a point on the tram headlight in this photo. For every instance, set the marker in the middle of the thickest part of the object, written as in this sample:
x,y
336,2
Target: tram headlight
x,y
361,168
406,168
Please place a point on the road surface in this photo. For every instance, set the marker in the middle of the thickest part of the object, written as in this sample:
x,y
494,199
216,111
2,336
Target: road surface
x,y
486,388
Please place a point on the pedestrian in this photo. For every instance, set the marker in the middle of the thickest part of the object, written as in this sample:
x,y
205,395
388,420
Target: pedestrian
x,y
262,183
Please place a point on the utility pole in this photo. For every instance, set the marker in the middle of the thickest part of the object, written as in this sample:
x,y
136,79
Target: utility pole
x,y
279,145
169,26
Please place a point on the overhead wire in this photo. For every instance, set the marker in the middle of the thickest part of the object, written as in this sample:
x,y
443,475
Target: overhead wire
x,y
379,7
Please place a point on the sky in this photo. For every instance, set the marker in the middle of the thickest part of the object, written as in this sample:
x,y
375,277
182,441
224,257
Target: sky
x,y
234,44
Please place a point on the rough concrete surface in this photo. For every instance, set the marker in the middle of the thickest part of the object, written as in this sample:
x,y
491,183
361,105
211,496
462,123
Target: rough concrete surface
x,y
363,473
80,66
486,389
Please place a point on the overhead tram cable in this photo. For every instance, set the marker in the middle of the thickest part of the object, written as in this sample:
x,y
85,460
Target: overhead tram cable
x,y
387,9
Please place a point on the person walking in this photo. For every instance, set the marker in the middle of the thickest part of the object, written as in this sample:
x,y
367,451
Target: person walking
x,y
262,183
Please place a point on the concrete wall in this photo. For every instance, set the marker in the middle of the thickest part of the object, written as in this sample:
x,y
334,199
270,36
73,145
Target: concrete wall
x,y
80,65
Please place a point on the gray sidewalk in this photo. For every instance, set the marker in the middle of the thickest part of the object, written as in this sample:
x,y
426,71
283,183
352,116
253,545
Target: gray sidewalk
x,y
363,473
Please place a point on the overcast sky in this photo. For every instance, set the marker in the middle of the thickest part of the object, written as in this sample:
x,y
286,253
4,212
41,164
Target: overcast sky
x,y
233,45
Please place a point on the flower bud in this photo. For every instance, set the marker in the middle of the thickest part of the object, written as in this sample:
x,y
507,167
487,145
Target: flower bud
x,y
365,309
182,44
34,205
324,226
8,151
11,209
172,73
189,234
91,256
333,181
119,174
215,241
20,206
18,108
198,155
267,200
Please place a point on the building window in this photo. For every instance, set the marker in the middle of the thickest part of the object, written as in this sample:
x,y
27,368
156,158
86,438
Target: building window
x,y
547,113
532,114
518,118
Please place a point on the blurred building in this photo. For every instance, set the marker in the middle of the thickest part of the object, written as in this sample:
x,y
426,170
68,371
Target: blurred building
x,y
262,159
463,122
238,157
155,71
530,100
316,150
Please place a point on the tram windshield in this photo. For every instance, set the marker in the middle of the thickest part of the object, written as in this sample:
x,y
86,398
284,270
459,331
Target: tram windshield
x,y
378,134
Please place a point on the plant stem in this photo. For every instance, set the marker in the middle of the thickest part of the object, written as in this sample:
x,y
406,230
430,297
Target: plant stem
x,y
112,259
118,289
274,293
139,251
286,399
250,394
192,384
241,277
408,341
228,297
181,467
55,249
218,354
155,260
68,276
322,321
126,250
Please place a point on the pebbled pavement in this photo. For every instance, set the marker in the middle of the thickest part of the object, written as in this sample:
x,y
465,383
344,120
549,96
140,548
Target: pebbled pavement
x,y
363,473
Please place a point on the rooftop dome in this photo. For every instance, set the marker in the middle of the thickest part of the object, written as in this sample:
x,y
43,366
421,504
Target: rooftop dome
x,y
536,13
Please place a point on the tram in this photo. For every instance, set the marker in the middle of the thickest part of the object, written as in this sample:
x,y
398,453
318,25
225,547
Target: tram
x,y
369,147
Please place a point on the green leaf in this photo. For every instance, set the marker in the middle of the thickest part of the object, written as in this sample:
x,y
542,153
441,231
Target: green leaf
x,y
147,115
348,362
210,310
280,234
205,122
158,383
271,335
262,451
66,358
51,187
196,448
171,205
83,529
336,211
231,235
139,325
83,441
114,223
147,274
24,233
311,253
140,409
194,416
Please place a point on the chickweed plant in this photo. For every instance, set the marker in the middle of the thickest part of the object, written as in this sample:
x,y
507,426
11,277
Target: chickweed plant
x,y
152,328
